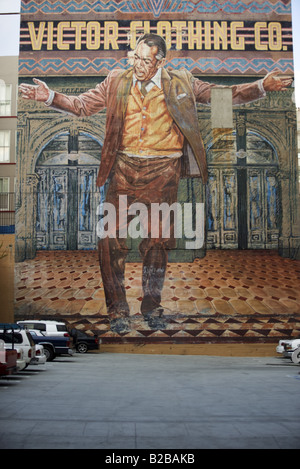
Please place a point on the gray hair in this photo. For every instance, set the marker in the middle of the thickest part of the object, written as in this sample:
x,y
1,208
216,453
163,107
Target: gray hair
x,y
153,40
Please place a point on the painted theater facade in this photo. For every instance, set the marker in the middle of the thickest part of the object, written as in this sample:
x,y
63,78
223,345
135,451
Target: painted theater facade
x,y
251,198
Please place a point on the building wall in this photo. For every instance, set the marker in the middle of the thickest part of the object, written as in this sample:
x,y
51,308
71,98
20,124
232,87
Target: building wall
x,y
9,76
7,265
8,122
251,151
73,50
298,143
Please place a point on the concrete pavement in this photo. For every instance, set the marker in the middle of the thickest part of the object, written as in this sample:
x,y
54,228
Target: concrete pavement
x,y
134,401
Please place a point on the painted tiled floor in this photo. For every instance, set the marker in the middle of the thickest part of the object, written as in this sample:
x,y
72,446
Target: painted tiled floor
x,y
231,296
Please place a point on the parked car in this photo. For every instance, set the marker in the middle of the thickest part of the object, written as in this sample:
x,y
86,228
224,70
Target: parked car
x,y
40,356
53,346
290,346
84,342
14,336
8,359
296,355
9,364
21,362
53,328
280,346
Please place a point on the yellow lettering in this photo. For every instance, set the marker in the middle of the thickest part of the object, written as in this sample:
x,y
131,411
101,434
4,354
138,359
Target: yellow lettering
x,y
179,26
61,45
195,37
137,28
207,35
146,27
275,36
220,35
237,43
257,34
134,26
111,34
50,35
36,39
93,35
78,25
164,29
180,34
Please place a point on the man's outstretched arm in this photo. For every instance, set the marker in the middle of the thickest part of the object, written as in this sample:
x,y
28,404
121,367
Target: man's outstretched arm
x,y
86,104
244,93
37,92
272,82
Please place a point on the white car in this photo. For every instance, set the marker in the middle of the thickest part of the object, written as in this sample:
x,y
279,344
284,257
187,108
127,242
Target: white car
x,y
50,328
21,362
280,346
40,357
296,355
19,338
290,346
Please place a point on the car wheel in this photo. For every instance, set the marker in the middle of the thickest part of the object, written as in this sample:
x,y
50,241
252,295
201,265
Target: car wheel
x,y
296,356
50,355
82,348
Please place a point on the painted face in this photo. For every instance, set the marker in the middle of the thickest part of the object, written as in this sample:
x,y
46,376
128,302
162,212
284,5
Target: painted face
x,y
145,64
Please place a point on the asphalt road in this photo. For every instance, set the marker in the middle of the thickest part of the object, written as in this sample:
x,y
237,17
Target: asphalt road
x,y
153,402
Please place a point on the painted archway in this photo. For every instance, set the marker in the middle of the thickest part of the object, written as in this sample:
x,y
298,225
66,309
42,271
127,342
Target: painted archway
x,y
67,196
243,196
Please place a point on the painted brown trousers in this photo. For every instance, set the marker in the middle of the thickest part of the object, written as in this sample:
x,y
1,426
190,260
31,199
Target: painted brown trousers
x,y
147,181
143,180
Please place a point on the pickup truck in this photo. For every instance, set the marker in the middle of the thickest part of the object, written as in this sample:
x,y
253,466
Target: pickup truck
x,y
53,345
84,342
8,360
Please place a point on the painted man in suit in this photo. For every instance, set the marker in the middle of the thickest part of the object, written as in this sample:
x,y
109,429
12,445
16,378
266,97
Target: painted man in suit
x,y
152,138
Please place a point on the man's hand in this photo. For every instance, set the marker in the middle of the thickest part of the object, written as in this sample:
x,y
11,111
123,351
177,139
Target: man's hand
x,y
38,92
274,83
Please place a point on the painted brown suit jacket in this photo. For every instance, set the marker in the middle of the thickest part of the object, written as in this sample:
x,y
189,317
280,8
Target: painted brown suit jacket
x,y
181,90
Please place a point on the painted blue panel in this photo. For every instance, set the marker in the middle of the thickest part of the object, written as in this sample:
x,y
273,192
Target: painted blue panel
x,y
42,203
85,208
272,203
59,204
254,203
212,209
229,206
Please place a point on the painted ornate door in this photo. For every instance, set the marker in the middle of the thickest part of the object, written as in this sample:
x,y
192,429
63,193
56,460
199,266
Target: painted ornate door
x,y
222,213
66,208
263,208
242,199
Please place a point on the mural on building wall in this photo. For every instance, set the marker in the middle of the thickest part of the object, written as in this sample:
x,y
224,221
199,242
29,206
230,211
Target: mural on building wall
x,y
140,135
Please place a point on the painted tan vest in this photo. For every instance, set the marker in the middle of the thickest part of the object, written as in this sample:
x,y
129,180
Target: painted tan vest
x,y
149,129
